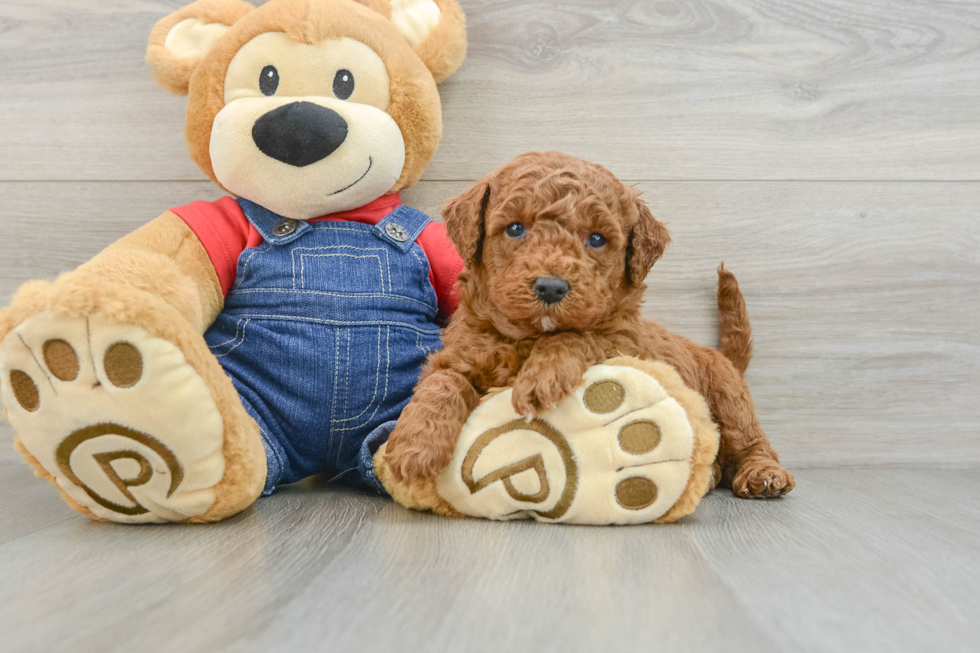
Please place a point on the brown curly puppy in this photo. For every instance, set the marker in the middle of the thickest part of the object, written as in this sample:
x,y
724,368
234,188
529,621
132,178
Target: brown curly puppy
x,y
556,251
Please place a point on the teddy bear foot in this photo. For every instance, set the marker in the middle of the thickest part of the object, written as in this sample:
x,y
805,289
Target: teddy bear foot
x,y
631,445
117,419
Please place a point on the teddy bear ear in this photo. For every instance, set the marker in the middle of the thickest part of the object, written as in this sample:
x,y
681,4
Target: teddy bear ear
x,y
180,41
436,30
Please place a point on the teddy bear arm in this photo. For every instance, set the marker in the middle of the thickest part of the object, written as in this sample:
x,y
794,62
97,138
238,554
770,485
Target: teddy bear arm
x,y
166,259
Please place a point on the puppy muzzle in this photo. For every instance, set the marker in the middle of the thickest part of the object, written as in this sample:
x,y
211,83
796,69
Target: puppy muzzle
x,y
551,290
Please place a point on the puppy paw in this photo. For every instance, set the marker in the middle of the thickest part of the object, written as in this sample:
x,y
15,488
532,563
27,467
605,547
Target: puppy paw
x,y
414,457
762,479
537,391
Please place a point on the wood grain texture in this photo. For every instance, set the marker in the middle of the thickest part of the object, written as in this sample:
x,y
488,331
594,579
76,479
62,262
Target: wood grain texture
x,y
862,295
27,504
857,559
656,89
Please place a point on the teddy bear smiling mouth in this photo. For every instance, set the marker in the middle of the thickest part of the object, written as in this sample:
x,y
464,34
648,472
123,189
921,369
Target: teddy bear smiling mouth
x,y
351,185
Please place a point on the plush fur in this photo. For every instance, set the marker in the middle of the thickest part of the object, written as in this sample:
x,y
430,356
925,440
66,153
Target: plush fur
x,y
443,51
165,258
160,278
414,103
503,335
174,73
81,294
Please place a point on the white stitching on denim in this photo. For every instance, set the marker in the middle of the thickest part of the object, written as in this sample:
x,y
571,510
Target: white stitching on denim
x,y
241,275
299,250
336,374
336,437
350,338
426,268
238,328
374,397
327,247
316,227
302,270
377,405
399,298
354,247
237,344
418,344
299,318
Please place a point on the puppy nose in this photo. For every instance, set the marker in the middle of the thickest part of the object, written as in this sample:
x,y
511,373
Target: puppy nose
x,y
299,133
550,290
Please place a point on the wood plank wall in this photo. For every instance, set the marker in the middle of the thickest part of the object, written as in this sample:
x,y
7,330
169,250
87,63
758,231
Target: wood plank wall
x,y
827,151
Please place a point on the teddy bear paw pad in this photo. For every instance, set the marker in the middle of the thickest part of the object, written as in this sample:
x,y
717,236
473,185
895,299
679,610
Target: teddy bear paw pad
x,y
119,418
617,451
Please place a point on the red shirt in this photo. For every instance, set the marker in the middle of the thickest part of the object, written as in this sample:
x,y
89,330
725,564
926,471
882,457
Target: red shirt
x,y
225,233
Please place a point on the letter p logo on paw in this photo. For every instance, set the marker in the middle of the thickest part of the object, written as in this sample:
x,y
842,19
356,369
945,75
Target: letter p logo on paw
x,y
532,463
108,461
617,451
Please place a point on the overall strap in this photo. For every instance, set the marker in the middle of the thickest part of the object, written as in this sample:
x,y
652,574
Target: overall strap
x,y
273,227
401,227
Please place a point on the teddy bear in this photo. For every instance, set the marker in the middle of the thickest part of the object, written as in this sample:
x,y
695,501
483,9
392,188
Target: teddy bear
x,y
229,347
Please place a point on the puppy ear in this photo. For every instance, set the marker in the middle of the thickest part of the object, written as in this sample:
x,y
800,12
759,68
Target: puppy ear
x,y
647,241
466,222
436,30
180,41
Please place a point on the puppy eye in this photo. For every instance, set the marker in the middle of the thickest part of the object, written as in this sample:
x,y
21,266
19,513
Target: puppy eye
x,y
515,230
269,80
596,241
343,84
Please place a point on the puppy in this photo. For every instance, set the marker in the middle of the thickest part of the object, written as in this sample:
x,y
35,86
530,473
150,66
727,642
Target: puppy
x,y
556,252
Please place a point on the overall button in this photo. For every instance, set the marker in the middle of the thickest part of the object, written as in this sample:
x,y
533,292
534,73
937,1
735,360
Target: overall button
x,y
285,227
396,231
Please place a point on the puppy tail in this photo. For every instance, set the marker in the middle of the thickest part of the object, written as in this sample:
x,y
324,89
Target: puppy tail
x,y
735,333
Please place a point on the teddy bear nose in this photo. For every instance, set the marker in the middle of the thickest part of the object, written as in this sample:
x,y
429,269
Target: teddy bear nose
x,y
550,290
299,133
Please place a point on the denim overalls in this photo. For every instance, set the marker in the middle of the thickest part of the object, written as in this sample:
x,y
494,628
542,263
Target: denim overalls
x,y
324,333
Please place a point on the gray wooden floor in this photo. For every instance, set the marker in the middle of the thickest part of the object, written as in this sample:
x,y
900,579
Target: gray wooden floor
x,y
827,151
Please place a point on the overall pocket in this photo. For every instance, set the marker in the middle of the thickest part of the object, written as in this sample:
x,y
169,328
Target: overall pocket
x,y
343,269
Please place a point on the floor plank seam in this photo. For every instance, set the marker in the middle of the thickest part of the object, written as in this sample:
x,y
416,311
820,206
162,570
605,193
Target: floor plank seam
x,y
461,181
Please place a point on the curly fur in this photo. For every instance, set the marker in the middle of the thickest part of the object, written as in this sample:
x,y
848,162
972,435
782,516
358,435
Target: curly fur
x,y
503,335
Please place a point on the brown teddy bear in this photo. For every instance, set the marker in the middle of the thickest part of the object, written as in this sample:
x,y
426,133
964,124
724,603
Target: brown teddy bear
x,y
228,347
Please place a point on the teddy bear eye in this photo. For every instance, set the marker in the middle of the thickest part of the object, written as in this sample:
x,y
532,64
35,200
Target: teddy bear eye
x,y
343,84
515,230
269,80
596,241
